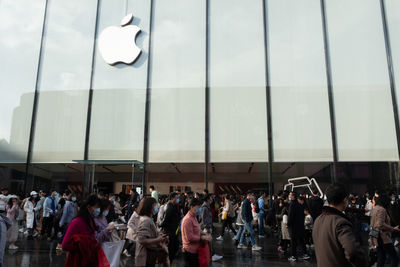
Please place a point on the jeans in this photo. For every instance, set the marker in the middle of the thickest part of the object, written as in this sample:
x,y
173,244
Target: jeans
x,y
389,249
261,223
248,227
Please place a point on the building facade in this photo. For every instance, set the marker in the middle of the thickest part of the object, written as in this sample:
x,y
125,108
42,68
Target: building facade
x,y
231,95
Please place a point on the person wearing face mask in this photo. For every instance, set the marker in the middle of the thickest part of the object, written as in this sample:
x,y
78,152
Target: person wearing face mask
x,y
103,232
170,223
151,246
69,212
191,234
80,239
334,240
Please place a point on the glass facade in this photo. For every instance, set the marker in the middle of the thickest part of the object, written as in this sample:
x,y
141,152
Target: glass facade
x,y
250,92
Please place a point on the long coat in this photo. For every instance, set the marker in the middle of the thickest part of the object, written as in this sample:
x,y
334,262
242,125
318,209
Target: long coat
x,y
28,208
296,220
380,221
334,241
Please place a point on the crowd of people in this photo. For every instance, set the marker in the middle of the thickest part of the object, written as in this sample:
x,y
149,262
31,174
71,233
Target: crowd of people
x,y
333,226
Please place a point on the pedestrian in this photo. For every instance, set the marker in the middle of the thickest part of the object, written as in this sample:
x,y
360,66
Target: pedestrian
x,y
131,234
308,225
79,240
380,224
69,212
334,240
154,192
170,224
49,210
261,214
12,214
151,247
5,224
3,199
247,217
30,215
205,220
296,227
103,230
228,216
191,234
315,205
285,236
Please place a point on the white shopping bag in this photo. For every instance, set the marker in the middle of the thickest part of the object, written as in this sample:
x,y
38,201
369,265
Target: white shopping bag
x,y
113,251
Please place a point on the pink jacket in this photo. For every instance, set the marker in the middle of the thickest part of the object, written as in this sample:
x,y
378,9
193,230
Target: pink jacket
x,y
190,233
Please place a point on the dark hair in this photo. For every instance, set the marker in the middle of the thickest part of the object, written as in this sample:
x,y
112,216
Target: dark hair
x,y
383,200
335,194
146,206
10,203
206,197
294,194
151,187
195,202
205,191
104,204
67,192
300,198
172,195
91,201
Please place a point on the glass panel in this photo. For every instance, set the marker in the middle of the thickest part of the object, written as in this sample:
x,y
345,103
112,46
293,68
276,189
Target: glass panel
x,y
363,106
12,177
177,82
393,21
238,116
119,92
300,107
21,33
64,82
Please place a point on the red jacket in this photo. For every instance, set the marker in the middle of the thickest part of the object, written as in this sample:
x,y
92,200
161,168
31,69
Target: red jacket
x,y
86,252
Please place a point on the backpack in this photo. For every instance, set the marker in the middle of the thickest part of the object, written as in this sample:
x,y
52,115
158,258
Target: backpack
x,y
257,208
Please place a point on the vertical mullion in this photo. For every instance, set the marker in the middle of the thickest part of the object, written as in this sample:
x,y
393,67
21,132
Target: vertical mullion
x,y
35,100
391,73
330,90
207,97
88,180
268,98
148,104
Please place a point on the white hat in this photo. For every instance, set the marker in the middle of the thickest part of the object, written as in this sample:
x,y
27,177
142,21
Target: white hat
x,y
33,193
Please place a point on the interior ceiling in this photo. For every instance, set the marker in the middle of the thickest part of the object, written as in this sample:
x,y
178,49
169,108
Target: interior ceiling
x,y
279,170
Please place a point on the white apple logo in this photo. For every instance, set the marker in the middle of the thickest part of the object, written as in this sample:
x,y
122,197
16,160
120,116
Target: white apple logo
x,y
117,44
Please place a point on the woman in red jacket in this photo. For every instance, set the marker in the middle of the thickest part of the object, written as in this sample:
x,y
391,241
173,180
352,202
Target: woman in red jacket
x,y
80,241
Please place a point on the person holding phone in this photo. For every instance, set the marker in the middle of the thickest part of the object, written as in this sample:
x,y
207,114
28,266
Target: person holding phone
x,y
380,222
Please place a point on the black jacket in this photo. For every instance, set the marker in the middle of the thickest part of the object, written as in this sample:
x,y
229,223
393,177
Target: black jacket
x,y
296,219
171,219
315,205
247,215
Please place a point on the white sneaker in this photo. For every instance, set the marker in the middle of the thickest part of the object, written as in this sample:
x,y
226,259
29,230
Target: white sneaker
x,y
216,257
304,257
241,246
292,259
220,238
12,247
256,248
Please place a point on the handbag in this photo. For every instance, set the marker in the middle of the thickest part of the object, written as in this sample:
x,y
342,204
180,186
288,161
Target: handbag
x,y
224,215
204,255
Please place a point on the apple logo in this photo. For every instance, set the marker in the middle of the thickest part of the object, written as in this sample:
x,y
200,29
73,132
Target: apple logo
x,y
117,44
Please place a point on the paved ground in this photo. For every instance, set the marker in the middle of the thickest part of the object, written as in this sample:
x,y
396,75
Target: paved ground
x,y
36,253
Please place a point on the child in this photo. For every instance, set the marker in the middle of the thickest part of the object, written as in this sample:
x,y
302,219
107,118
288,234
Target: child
x,y
308,225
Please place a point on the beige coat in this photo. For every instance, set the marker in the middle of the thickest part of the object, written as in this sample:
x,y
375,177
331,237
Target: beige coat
x,y
146,230
334,240
133,224
380,221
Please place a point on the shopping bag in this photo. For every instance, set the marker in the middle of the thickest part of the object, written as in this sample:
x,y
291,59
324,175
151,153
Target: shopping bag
x,y
113,251
204,255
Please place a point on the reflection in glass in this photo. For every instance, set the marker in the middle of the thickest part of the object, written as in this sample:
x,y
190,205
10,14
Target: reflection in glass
x,y
178,82
393,21
64,81
20,33
238,117
119,92
299,94
363,106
